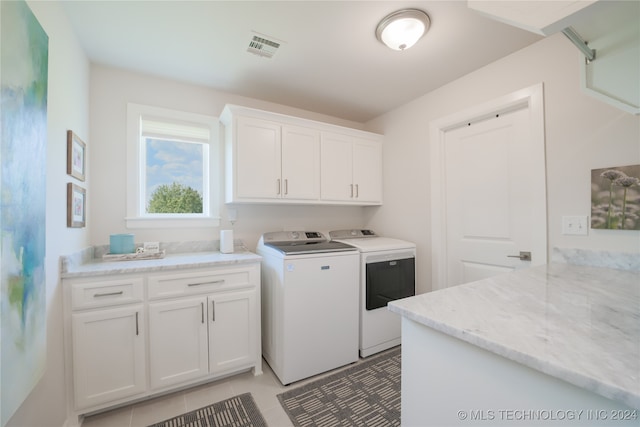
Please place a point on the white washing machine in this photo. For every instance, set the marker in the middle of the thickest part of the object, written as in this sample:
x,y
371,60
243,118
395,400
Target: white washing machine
x,y
309,303
387,273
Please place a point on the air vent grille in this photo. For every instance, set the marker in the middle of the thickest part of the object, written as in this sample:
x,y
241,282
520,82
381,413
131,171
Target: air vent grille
x,y
262,46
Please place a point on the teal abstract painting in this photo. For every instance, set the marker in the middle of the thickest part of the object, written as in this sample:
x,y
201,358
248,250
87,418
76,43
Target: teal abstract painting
x,y
24,61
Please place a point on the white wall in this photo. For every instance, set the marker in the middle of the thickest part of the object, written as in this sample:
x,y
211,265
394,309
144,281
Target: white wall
x,y
111,90
581,134
67,108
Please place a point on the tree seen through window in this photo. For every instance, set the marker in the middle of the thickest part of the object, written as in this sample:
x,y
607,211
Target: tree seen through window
x,y
174,176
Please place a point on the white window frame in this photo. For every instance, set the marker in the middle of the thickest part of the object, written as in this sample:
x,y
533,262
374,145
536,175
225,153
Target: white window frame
x,y
136,215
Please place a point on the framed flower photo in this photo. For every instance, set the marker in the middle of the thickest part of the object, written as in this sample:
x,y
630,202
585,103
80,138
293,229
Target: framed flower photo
x,y
615,198
75,156
76,206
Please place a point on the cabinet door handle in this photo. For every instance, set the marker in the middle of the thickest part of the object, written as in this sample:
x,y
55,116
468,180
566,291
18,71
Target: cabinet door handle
x,y
213,310
108,294
214,282
286,187
278,186
202,311
137,328
351,191
357,191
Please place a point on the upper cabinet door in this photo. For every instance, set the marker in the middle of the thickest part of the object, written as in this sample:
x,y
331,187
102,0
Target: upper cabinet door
x,y
300,163
257,163
351,169
336,162
367,171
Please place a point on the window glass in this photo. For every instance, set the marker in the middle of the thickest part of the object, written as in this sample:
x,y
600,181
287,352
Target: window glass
x,y
174,176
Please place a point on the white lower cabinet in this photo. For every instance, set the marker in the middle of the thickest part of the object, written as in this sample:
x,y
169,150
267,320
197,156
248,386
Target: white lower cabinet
x,y
232,336
109,354
178,341
192,337
134,336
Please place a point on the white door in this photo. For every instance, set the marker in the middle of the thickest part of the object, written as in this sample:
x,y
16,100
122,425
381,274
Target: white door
x,y
493,195
178,341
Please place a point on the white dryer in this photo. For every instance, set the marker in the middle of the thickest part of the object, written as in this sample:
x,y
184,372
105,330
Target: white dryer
x,y
387,273
309,303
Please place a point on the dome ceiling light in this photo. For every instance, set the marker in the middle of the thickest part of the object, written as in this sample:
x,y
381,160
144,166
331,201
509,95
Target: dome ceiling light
x,y
402,29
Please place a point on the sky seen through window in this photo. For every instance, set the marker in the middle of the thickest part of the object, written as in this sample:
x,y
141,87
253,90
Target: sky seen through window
x,y
169,161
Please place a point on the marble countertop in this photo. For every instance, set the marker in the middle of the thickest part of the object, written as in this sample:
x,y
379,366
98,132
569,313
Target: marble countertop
x,y
580,324
172,261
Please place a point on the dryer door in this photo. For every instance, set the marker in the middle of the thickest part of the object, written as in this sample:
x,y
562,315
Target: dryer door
x,y
389,280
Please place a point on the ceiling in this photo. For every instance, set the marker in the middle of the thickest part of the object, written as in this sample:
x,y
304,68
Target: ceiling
x,y
329,60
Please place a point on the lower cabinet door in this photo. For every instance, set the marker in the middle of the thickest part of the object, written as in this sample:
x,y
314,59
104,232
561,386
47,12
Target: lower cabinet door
x,y
178,341
232,330
108,354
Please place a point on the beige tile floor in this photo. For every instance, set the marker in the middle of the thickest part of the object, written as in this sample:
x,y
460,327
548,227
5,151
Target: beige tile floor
x,y
264,389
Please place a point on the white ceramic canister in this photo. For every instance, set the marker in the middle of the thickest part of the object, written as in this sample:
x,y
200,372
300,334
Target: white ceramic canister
x,y
226,241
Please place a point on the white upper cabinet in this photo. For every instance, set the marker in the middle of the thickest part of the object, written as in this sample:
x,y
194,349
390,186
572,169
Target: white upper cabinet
x,y
273,158
273,161
337,167
300,163
367,171
257,165
351,169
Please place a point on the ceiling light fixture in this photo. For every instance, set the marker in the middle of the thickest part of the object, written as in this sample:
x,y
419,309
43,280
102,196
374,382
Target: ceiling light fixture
x,y
402,29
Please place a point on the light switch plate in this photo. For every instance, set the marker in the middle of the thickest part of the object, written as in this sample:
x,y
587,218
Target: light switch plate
x,y
577,225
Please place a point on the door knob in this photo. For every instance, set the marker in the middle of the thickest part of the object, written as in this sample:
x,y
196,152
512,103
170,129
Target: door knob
x,y
524,256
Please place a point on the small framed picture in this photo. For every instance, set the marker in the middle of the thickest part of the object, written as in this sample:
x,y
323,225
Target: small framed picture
x,y
75,156
615,198
76,206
